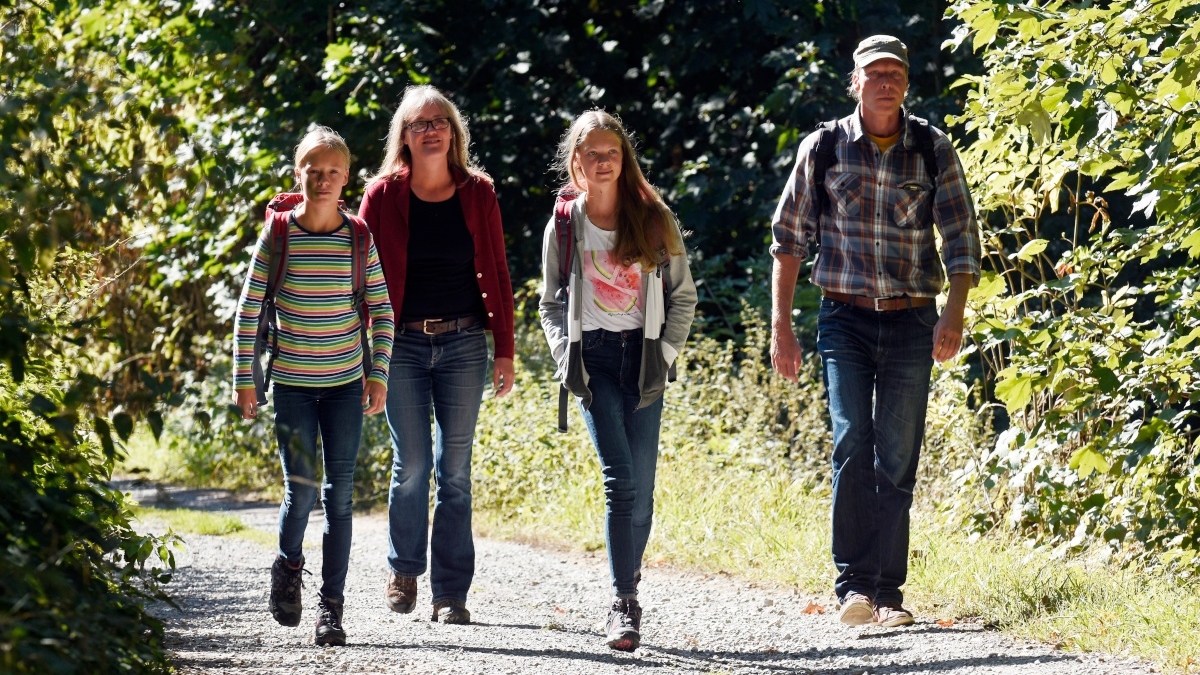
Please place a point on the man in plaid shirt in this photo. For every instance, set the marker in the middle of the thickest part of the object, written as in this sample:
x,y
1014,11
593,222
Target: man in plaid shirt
x,y
879,330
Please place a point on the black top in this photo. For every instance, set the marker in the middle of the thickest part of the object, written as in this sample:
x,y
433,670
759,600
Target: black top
x,y
440,280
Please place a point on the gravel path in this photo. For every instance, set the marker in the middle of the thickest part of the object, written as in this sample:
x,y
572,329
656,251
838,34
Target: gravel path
x,y
539,611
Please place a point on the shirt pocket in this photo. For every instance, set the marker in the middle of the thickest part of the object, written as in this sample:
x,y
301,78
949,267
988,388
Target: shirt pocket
x,y
910,206
846,193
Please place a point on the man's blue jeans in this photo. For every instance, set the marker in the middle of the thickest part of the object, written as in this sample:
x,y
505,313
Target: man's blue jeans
x,y
336,415
438,379
626,441
877,367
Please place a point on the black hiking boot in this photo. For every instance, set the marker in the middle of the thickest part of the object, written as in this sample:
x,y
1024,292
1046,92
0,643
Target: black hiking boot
x,y
329,623
624,624
286,583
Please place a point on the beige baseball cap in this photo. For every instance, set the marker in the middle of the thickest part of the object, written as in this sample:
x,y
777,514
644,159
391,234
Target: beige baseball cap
x,y
880,47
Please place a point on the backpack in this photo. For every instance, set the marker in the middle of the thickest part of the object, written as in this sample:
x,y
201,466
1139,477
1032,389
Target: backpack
x,y
266,338
825,154
565,236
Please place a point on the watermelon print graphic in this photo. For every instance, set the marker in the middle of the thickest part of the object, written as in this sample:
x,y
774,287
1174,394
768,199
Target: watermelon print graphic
x,y
617,289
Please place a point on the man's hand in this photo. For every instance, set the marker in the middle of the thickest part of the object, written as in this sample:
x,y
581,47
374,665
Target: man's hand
x,y
374,397
503,373
947,336
248,402
785,350
948,332
786,354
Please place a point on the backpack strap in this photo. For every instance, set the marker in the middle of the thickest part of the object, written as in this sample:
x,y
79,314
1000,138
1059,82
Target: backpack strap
x,y
565,236
824,156
360,236
266,337
919,128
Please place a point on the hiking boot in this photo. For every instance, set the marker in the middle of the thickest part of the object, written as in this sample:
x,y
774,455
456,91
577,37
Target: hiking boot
x,y
451,612
624,625
856,610
401,592
891,615
286,583
329,623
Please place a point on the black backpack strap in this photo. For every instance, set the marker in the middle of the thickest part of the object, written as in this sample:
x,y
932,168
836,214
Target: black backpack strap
x,y
565,236
360,236
923,137
824,156
266,337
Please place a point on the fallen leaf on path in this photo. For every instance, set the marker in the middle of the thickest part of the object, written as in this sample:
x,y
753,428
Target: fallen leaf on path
x,y
945,623
814,608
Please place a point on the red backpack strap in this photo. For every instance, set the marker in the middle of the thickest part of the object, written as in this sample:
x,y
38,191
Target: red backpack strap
x,y
565,236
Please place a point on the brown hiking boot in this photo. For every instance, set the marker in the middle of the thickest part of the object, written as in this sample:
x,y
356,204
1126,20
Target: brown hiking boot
x,y
401,592
891,615
856,610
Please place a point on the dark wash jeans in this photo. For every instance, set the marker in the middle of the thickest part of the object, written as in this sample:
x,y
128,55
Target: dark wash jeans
x,y
626,441
335,415
877,367
439,377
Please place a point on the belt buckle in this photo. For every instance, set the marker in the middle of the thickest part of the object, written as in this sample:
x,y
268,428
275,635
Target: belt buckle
x,y
876,303
425,325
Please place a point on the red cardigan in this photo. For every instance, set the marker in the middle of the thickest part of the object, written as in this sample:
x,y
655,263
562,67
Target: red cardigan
x,y
385,208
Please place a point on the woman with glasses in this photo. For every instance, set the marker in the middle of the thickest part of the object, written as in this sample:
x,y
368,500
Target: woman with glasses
x,y
436,224
617,305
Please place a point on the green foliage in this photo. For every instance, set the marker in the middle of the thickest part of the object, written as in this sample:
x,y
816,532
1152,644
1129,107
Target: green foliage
x,y
1088,319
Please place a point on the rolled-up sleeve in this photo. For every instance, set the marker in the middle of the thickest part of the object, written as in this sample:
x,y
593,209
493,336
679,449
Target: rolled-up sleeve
x,y
795,219
954,214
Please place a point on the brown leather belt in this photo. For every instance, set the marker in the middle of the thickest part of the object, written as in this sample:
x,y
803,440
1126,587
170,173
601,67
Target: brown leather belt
x,y
879,304
439,326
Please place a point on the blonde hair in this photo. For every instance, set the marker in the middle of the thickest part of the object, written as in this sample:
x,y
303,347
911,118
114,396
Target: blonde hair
x,y
397,157
645,226
324,138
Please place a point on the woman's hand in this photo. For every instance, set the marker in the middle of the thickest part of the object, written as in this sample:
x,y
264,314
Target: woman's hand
x,y
248,402
374,397
502,376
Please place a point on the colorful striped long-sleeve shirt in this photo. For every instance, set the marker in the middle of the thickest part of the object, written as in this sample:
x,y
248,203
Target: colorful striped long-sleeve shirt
x,y
319,338
877,236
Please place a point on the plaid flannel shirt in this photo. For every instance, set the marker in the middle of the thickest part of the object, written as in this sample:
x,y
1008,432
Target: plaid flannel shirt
x,y
876,237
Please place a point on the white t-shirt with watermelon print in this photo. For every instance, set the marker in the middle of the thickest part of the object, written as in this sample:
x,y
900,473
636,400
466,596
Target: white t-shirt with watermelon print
x,y
612,293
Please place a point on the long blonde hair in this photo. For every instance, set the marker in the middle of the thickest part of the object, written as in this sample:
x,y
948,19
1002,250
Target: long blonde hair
x,y
397,158
645,226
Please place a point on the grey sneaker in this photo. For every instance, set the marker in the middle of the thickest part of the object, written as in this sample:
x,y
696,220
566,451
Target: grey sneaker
x,y
856,610
624,625
892,615
401,592
451,612
329,623
286,583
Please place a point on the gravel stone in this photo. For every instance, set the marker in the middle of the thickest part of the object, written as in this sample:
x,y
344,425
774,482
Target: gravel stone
x,y
542,611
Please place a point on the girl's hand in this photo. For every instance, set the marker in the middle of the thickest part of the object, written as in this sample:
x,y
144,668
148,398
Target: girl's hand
x,y
374,397
248,402
502,376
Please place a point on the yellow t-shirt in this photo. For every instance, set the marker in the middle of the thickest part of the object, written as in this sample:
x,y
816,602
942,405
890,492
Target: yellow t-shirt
x,y
885,142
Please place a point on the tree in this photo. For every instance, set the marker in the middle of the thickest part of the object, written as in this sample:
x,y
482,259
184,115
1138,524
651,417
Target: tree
x,y
1090,331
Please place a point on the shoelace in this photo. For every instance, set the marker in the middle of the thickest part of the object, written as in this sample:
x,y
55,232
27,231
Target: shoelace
x,y
328,616
294,581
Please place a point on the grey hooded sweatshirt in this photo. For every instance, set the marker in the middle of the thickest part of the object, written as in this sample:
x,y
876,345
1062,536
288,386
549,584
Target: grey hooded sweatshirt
x,y
665,329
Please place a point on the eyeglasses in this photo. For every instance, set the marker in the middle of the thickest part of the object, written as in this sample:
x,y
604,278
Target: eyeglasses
x,y
421,126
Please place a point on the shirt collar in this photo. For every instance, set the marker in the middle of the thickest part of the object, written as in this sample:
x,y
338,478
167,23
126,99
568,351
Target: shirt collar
x,y
857,133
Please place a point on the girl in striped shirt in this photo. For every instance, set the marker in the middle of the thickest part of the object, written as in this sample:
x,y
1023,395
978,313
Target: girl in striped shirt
x,y
320,388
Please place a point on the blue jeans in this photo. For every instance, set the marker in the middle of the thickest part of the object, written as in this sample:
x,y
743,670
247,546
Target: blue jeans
x,y
334,414
436,378
877,367
626,441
